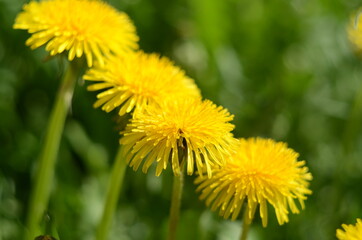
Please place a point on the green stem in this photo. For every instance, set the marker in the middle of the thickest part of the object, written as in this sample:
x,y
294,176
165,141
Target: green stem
x,y
353,122
114,187
177,187
246,226
45,170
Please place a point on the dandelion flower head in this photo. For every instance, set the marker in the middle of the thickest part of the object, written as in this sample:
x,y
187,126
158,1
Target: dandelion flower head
x,y
354,30
350,232
189,131
137,80
80,27
261,171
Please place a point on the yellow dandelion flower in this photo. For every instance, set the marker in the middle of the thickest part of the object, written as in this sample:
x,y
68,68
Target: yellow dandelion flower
x,y
354,30
137,80
81,27
260,171
189,131
351,232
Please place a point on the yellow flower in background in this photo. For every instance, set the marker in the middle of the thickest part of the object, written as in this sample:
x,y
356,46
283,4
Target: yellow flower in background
x,y
190,130
81,27
262,171
137,80
351,232
354,30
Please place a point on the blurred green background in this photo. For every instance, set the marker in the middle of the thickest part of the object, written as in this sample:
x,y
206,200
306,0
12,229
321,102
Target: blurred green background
x,y
284,68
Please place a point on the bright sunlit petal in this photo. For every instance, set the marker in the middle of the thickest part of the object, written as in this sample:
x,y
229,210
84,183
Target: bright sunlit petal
x,y
137,80
350,232
89,27
190,129
261,171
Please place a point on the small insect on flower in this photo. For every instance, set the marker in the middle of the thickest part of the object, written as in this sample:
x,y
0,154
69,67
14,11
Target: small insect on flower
x,y
81,27
261,171
189,131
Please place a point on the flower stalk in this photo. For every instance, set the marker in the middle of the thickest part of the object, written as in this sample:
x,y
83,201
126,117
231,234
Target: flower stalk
x,y
246,226
45,170
177,188
353,122
114,187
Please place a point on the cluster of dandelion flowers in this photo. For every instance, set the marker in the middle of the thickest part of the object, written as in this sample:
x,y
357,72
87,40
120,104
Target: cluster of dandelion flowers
x,y
260,171
81,27
179,131
137,80
351,232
